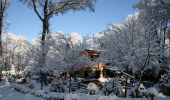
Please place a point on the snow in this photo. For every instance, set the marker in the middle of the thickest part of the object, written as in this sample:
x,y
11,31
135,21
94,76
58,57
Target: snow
x,y
92,87
160,96
102,79
6,93
75,37
152,91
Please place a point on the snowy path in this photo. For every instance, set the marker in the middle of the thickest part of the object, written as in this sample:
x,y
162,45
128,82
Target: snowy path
x,y
6,93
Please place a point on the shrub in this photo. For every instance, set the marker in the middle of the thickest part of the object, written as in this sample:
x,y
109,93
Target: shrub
x,y
141,92
92,88
31,86
151,92
17,89
108,88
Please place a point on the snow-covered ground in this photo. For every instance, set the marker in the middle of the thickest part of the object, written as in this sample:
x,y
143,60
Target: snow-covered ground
x,y
6,93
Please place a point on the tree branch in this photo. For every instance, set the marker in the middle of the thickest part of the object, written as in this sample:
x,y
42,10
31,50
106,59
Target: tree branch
x,y
68,3
35,9
55,10
166,7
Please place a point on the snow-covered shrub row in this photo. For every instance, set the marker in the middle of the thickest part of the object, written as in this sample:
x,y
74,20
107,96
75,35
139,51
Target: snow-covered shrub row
x,y
64,96
22,88
144,93
147,94
25,88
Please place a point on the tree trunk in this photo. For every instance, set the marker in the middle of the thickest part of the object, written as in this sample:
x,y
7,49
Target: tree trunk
x,y
1,24
1,62
126,87
138,85
43,40
70,84
41,76
45,31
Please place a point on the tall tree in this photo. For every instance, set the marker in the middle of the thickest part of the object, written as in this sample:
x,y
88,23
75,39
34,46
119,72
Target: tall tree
x,y
46,9
155,12
132,46
70,54
3,7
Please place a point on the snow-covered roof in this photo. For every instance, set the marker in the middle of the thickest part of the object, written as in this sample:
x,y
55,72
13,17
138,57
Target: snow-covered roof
x,y
113,68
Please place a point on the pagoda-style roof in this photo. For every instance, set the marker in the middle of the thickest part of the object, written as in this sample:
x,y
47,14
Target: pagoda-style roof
x,y
92,52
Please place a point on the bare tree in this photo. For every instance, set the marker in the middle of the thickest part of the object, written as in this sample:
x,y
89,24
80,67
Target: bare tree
x,y
3,7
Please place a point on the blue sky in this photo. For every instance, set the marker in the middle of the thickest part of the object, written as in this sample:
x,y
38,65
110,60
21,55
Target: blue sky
x,y
23,21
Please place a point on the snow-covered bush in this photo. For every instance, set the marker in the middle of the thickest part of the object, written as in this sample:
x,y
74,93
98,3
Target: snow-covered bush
x,y
31,86
63,85
141,92
21,88
17,89
92,88
165,84
60,85
165,79
151,92
57,87
26,72
111,86
56,73
11,78
108,87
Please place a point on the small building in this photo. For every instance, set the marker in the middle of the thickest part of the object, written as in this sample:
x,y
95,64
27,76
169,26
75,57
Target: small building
x,y
95,70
